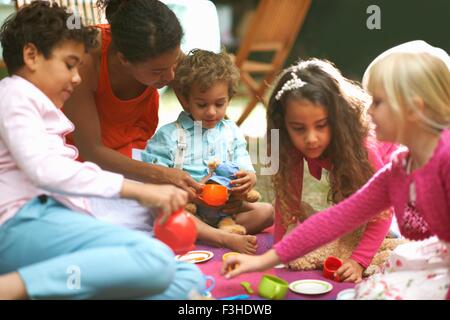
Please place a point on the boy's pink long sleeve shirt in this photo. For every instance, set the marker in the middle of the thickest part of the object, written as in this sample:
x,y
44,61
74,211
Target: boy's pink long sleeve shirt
x,y
376,230
34,158
390,186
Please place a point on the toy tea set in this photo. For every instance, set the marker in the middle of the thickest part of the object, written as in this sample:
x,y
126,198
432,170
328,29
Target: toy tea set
x,y
179,233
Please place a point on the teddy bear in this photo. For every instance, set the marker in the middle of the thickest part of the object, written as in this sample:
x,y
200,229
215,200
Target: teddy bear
x,y
341,248
222,173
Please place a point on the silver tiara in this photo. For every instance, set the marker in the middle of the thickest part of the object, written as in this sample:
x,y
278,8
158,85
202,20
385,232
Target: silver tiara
x,y
294,83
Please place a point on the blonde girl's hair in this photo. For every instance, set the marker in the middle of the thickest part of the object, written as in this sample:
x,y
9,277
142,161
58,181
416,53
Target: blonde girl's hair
x,y
320,82
409,71
205,68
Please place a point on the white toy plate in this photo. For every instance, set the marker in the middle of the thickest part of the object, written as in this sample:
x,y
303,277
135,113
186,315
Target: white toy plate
x,y
195,256
310,286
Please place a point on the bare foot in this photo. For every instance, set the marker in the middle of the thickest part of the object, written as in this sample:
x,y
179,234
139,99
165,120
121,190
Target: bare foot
x,y
239,243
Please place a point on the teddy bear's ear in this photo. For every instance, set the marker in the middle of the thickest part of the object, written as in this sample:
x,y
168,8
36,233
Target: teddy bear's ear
x,y
213,164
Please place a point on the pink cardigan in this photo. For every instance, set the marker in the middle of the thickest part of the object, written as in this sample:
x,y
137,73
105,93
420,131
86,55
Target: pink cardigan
x,y
375,232
34,158
390,186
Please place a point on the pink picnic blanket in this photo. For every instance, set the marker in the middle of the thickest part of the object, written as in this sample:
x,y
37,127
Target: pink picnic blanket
x,y
225,288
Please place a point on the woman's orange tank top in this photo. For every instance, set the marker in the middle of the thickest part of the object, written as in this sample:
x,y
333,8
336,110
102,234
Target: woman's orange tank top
x,y
125,124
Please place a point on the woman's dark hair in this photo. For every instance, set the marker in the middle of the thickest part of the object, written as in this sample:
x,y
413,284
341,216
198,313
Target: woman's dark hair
x,y
44,24
142,29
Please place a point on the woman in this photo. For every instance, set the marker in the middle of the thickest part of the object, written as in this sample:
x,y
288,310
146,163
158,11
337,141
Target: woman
x,y
115,109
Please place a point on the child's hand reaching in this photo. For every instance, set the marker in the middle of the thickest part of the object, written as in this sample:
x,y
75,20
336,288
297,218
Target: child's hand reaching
x,y
166,198
350,271
243,263
244,183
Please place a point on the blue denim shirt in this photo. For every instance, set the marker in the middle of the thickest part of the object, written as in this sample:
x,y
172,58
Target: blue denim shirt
x,y
215,143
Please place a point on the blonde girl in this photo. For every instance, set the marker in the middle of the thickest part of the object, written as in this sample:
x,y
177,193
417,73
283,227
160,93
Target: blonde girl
x,y
410,85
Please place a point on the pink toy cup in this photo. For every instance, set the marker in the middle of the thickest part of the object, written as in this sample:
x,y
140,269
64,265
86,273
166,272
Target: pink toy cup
x,y
330,266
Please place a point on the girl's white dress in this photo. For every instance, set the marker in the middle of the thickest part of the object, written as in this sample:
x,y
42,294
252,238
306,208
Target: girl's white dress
x,y
417,270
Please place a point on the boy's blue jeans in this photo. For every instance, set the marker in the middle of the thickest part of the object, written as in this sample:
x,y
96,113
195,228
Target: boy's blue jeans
x,y
62,254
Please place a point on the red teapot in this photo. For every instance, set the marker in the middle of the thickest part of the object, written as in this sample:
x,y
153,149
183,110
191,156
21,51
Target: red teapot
x,y
179,232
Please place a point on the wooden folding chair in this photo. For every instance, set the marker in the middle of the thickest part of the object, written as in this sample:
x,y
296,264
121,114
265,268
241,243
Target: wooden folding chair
x,y
86,9
272,29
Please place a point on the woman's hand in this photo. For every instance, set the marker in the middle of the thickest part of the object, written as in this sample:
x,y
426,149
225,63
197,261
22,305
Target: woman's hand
x,y
180,179
243,263
350,271
244,183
